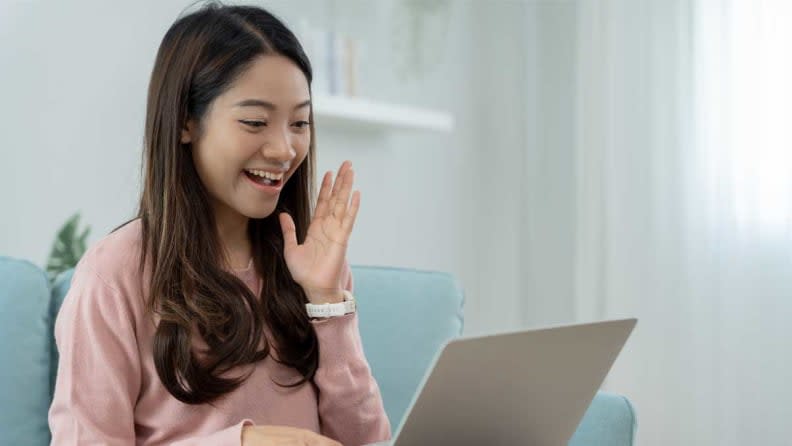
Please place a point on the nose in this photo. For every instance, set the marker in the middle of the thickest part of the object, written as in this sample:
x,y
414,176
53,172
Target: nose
x,y
279,149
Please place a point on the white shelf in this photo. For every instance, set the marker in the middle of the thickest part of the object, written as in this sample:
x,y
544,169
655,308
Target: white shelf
x,y
367,113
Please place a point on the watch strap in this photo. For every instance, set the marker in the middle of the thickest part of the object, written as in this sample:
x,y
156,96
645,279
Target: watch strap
x,y
334,309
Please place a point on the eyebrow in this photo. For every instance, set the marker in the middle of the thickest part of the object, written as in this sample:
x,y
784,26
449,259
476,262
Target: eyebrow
x,y
267,105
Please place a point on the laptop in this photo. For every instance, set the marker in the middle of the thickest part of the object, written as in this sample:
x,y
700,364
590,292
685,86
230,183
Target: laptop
x,y
527,387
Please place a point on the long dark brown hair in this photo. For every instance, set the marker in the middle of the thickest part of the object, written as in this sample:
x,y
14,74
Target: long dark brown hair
x,y
200,56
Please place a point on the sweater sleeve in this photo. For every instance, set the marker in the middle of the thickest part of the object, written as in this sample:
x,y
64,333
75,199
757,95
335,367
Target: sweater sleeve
x,y
350,404
99,371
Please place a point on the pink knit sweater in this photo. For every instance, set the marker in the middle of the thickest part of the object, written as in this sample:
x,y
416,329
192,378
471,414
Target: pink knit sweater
x,y
108,392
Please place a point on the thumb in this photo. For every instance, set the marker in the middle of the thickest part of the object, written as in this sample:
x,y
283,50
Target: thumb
x,y
289,230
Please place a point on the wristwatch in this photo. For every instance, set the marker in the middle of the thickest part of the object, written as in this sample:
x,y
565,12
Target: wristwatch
x,y
336,309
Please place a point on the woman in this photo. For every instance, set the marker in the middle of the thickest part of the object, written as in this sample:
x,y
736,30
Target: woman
x,y
188,325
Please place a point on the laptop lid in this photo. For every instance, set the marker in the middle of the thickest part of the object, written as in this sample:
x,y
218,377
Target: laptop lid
x,y
528,387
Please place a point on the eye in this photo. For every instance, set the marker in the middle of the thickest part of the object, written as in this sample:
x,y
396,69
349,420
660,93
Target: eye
x,y
305,124
254,124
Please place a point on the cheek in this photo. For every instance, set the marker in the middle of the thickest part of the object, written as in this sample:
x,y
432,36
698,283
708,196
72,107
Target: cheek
x,y
217,166
302,148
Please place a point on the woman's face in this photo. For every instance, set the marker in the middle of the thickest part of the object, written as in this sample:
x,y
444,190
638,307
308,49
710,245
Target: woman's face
x,y
259,124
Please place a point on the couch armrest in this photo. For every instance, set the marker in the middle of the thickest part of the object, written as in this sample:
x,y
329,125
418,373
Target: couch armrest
x,y
610,420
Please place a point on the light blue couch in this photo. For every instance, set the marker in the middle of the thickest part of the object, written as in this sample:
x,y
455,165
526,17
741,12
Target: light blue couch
x,y
399,341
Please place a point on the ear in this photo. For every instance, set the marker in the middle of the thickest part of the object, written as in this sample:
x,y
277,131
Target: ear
x,y
186,133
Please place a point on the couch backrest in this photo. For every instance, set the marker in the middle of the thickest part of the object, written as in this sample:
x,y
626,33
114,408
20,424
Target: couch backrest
x,y
405,316
25,333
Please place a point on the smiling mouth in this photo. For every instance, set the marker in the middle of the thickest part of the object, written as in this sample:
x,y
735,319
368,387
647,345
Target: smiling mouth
x,y
262,180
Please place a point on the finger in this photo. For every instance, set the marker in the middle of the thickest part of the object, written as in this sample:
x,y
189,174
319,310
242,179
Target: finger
x,y
323,202
289,230
337,185
349,218
343,195
341,170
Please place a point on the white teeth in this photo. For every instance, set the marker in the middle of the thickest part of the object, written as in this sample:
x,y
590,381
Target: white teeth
x,y
268,175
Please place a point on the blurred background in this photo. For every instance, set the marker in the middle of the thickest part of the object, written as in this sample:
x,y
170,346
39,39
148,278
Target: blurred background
x,y
566,160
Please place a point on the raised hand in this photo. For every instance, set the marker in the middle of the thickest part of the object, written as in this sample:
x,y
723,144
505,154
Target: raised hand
x,y
318,264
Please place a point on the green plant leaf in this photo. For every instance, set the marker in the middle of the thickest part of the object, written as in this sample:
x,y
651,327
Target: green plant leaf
x,y
67,248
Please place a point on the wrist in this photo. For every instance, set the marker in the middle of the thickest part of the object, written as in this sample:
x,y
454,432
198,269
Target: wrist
x,y
319,298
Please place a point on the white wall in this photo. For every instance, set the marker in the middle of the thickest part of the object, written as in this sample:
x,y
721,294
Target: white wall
x,y
548,194
74,84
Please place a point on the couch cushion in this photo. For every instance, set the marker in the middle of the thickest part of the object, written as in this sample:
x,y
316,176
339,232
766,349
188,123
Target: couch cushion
x,y
25,350
404,316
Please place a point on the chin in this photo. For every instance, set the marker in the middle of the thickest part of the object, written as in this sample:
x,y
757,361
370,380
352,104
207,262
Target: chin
x,y
258,213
